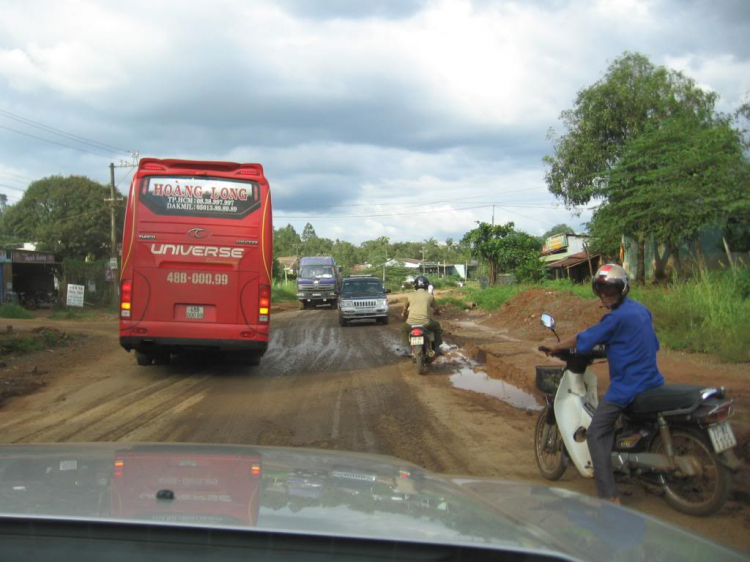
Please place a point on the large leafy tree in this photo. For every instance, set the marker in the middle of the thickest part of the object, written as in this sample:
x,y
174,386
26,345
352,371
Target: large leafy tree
x,y
65,215
558,229
675,178
633,97
286,241
502,246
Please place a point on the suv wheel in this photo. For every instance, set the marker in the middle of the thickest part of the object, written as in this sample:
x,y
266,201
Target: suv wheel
x,y
343,322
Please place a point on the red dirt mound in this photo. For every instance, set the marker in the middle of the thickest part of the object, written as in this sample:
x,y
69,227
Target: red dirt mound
x,y
520,314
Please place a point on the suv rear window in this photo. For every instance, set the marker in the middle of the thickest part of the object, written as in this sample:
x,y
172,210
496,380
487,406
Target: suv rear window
x,y
200,197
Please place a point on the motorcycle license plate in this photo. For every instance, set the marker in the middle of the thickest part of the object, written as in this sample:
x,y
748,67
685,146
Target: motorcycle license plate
x,y
722,437
417,341
194,312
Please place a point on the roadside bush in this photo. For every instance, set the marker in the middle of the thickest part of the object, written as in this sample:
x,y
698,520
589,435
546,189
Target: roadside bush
x,y
447,281
531,270
14,311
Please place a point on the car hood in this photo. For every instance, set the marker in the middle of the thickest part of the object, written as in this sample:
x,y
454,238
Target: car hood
x,y
317,492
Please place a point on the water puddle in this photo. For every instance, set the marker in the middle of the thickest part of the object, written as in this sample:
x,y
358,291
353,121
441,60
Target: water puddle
x,y
467,378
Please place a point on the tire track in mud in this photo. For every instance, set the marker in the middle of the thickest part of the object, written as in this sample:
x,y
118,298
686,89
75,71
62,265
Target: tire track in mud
x,y
95,423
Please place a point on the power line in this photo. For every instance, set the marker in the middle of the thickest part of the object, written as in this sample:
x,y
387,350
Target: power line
x,y
16,177
13,188
60,132
54,142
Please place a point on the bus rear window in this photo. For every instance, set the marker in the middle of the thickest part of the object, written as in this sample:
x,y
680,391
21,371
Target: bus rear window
x,y
200,197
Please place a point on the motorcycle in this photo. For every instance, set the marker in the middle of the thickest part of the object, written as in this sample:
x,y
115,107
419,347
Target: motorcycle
x,y
675,438
422,342
40,300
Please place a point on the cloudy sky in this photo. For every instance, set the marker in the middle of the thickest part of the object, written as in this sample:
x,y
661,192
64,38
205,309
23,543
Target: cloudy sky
x,y
398,118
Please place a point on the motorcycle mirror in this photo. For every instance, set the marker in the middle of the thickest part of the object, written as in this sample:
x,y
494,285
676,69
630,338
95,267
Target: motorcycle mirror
x,y
547,321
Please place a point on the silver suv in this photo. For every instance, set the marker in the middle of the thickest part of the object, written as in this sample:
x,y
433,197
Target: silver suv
x,y
363,297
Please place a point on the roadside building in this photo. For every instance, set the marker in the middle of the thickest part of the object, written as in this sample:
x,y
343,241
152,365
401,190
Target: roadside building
x,y
566,256
290,265
26,272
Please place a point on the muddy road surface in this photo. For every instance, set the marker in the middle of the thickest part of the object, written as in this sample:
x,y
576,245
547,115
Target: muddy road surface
x,y
320,386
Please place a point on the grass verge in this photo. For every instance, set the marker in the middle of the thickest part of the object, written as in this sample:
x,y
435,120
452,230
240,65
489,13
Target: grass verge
x,y
284,292
707,314
38,340
14,311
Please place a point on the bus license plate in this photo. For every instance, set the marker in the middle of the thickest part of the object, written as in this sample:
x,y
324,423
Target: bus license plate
x,y
417,341
195,312
722,437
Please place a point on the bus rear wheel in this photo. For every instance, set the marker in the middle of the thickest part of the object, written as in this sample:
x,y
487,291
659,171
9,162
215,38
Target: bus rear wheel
x,y
143,359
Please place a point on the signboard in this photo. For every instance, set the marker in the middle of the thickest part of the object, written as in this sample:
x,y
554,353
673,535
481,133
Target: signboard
x,y
557,242
22,256
200,197
92,286
113,263
75,295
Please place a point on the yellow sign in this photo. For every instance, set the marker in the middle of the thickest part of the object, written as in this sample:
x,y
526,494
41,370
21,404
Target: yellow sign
x,y
557,242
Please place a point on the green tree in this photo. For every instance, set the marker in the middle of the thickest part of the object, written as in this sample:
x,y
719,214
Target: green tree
x,y
504,248
65,215
345,253
286,241
674,179
633,97
558,229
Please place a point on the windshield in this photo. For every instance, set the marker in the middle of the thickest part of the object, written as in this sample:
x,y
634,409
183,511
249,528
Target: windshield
x,y
317,272
368,286
212,216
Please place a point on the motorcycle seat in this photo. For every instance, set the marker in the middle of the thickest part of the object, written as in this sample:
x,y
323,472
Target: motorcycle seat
x,y
666,398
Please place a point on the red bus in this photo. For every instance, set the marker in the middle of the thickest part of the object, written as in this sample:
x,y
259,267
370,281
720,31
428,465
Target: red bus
x,y
196,260
217,485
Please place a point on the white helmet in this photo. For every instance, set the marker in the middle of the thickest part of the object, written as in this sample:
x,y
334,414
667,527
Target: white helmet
x,y
611,275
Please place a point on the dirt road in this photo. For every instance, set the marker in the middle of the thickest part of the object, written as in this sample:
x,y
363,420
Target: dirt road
x,y
319,386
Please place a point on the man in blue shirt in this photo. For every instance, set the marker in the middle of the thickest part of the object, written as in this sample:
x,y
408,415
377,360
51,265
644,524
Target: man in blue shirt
x,y
627,331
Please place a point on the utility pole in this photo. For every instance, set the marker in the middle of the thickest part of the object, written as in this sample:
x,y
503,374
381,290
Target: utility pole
x,y
385,263
493,215
113,234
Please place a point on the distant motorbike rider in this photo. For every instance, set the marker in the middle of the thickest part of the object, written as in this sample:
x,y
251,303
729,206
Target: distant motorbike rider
x,y
628,333
418,311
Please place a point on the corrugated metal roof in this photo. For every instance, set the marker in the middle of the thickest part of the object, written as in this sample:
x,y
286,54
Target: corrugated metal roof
x,y
572,260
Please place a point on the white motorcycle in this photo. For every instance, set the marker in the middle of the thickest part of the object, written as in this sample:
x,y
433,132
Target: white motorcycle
x,y
675,438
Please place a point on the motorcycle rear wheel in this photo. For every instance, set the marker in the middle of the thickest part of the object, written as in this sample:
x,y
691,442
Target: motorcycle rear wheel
x,y
697,495
551,457
419,358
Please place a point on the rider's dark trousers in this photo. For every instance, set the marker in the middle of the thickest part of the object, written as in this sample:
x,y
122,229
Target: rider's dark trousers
x,y
600,438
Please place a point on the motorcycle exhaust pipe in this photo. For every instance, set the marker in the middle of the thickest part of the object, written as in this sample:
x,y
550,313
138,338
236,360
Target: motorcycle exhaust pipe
x,y
654,462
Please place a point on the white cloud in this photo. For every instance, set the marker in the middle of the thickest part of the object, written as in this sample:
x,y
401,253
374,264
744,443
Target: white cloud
x,y
434,108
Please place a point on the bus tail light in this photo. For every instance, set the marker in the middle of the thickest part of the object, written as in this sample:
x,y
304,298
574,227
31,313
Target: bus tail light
x,y
119,468
264,303
126,297
154,167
